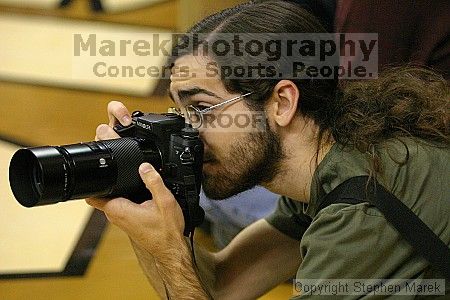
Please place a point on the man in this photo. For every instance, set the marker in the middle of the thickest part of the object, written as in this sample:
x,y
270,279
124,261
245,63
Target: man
x,y
408,32
225,219
394,128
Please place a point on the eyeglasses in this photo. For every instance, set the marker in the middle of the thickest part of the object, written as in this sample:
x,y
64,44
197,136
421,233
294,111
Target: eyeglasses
x,y
196,115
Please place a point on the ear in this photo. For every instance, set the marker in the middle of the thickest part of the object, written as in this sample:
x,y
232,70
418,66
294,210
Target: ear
x,y
283,103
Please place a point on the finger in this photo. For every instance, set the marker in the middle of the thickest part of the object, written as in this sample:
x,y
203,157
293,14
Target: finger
x,y
105,132
118,113
117,210
97,203
154,183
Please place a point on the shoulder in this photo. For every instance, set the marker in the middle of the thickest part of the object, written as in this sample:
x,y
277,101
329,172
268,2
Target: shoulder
x,y
354,241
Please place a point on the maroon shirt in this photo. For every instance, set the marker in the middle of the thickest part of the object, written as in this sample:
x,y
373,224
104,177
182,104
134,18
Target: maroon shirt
x,y
408,31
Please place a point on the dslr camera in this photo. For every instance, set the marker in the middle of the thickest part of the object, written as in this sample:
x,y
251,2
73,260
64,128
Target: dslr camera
x,y
52,174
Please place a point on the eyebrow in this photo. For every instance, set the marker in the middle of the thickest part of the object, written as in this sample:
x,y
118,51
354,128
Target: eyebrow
x,y
183,95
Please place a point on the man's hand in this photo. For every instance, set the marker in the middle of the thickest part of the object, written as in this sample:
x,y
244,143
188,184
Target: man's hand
x,y
155,225
117,114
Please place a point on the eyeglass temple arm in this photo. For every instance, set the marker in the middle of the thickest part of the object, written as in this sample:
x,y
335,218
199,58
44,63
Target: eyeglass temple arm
x,y
225,102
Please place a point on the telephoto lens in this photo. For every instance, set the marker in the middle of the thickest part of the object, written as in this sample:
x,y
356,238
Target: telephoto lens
x,y
110,168
47,175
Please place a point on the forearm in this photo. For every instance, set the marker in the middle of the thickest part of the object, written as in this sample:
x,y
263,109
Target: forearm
x,y
240,271
175,274
147,263
205,267
178,273
258,259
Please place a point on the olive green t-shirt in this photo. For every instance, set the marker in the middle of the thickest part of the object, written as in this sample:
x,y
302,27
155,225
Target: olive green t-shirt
x,y
355,241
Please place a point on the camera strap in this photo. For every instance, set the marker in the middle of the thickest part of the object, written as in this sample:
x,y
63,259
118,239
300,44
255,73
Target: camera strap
x,y
423,240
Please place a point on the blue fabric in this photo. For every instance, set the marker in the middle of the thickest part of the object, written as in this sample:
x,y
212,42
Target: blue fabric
x,y
229,216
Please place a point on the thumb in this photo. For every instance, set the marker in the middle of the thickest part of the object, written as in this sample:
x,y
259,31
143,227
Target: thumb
x,y
154,183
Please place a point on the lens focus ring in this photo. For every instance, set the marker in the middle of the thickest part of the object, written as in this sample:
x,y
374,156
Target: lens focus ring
x,y
128,156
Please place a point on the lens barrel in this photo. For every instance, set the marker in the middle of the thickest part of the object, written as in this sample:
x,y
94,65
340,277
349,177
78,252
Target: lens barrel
x,y
47,175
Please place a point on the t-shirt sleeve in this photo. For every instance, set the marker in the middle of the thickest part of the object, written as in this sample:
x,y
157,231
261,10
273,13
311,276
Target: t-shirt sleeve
x,y
289,218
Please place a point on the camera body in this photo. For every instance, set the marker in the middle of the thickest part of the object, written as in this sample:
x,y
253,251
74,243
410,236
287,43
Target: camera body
x,y
181,158
109,168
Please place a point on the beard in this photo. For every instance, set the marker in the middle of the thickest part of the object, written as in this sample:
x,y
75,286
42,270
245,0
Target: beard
x,y
251,161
